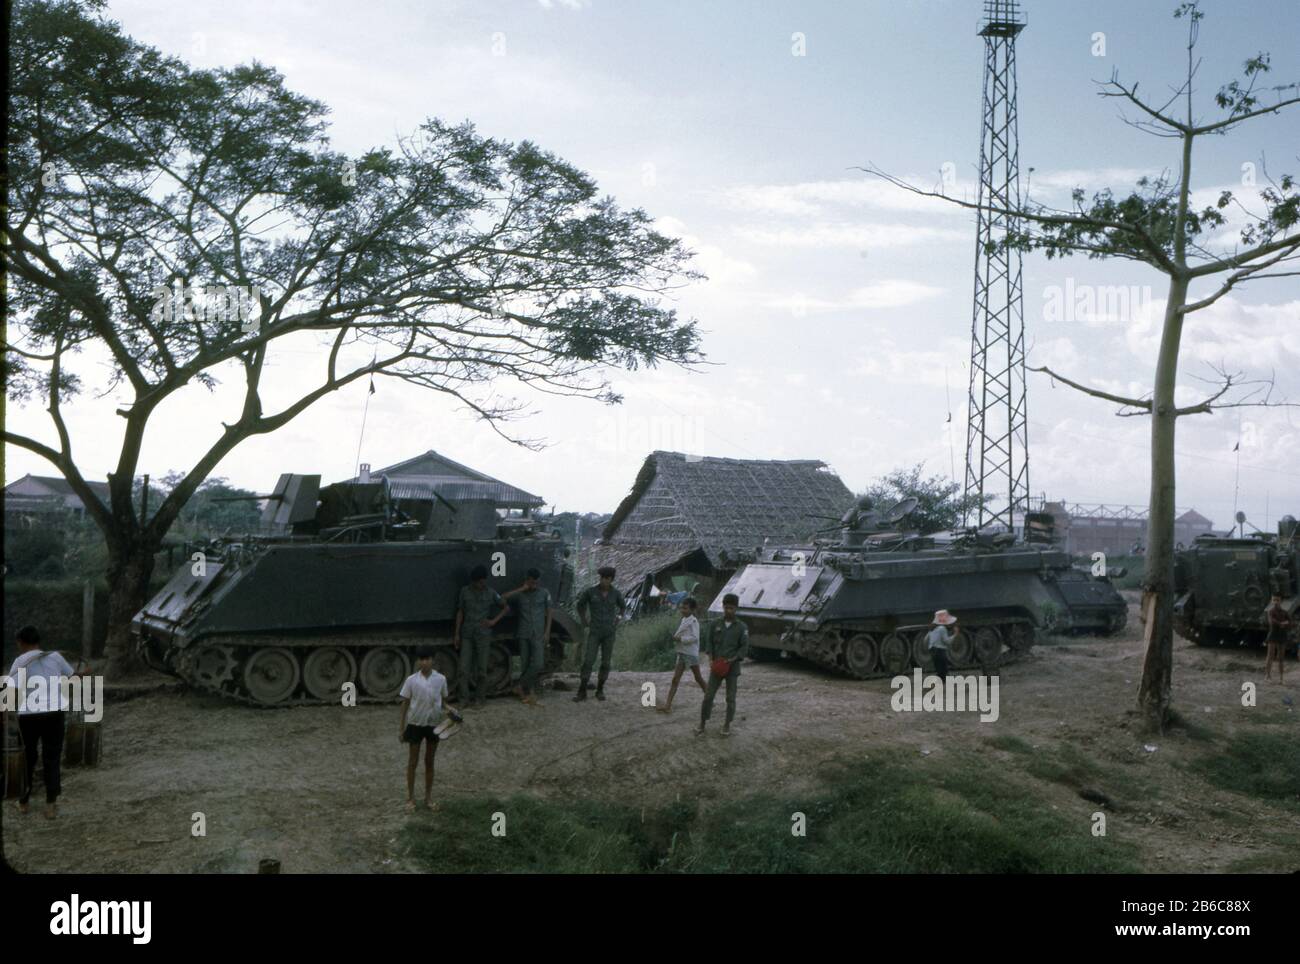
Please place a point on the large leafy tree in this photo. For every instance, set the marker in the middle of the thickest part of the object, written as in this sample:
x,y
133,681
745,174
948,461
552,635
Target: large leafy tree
x,y
452,261
940,503
1157,225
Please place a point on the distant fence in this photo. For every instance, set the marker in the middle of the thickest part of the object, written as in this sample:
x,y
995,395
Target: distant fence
x,y
55,608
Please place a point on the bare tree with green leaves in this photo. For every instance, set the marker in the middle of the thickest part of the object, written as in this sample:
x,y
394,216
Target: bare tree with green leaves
x,y
1157,226
181,226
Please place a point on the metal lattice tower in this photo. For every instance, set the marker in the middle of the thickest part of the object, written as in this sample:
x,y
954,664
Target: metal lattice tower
x,y
997,456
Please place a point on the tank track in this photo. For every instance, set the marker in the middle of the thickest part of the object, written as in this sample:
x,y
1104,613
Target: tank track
x,y
219,665
840,649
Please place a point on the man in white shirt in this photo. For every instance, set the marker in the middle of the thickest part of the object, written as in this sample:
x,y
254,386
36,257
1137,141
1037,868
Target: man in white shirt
x,y
42,699
423,696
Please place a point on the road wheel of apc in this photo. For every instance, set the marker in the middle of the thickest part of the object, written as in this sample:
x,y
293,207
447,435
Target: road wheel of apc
x,y
271,675
961,650
383,670
861,655
921,654
1020,637
326,669
498,668
988,646
895,654
214,665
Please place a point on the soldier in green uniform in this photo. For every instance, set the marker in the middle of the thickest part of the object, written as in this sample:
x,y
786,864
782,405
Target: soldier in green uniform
x,y
599,607
473,635
727,640
533,632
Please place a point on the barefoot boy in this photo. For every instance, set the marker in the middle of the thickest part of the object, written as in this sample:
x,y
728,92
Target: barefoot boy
x,y
687,638
422,696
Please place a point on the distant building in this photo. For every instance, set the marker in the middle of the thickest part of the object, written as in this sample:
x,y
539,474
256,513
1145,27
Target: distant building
x,y
702,517
1082,530
429,475
35,496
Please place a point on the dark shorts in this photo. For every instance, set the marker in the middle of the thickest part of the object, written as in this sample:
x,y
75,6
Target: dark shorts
x,y
418,734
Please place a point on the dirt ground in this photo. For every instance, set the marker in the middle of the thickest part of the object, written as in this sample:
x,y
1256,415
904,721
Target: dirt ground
x,y
321,788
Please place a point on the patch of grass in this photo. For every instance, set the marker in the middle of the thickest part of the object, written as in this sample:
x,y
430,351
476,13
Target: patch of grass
x,y
1261,765
893,816
1012,744
1069,766
1180,723
1064,764
646,644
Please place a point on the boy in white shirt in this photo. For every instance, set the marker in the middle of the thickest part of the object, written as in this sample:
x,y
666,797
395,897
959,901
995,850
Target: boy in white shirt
x,y
687,638
423,696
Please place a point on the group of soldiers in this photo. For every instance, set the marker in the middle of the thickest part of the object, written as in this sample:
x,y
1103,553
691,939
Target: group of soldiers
x,y
600,608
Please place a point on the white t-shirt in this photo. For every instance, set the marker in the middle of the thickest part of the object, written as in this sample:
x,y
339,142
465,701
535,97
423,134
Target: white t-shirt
x,y
426,694
39,689
688,636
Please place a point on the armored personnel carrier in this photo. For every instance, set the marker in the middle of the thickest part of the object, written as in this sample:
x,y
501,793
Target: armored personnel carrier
x,y
1222,586
343,586
863,606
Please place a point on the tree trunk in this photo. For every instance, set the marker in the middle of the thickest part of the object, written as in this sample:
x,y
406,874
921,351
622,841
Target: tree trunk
x,y
1155,693
129,572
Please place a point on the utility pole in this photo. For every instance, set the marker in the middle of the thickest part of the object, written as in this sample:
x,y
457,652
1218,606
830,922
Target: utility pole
x,y
997,455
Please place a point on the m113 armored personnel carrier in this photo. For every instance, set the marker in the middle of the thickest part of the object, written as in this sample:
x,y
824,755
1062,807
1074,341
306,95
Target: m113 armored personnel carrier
x,y
344,585
1223,584
862,607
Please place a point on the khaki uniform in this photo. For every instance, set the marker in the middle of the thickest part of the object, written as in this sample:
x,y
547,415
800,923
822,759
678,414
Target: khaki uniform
x,y
475,639
529,632
732,644
603,611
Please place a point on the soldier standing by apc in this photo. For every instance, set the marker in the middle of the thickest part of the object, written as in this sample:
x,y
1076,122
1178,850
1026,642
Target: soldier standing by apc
x,y
1279,622
473,634
533,632
600,607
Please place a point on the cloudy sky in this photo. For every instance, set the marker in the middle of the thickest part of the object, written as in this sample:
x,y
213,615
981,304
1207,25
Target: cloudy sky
x,y
837,311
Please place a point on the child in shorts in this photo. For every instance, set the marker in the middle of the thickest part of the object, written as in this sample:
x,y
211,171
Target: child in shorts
x,y
423,696
687,639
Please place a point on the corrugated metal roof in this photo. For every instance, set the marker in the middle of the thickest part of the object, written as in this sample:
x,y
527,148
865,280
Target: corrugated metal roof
x,y
459,490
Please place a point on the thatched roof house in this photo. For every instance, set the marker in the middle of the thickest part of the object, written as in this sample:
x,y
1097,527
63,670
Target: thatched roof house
x,y
687,514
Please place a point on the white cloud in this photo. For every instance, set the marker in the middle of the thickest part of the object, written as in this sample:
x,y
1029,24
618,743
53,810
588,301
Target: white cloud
x,y
857,236
889,293
814,197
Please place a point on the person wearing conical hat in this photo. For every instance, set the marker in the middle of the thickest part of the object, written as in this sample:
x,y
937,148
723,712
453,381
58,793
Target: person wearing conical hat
x,y
944,632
